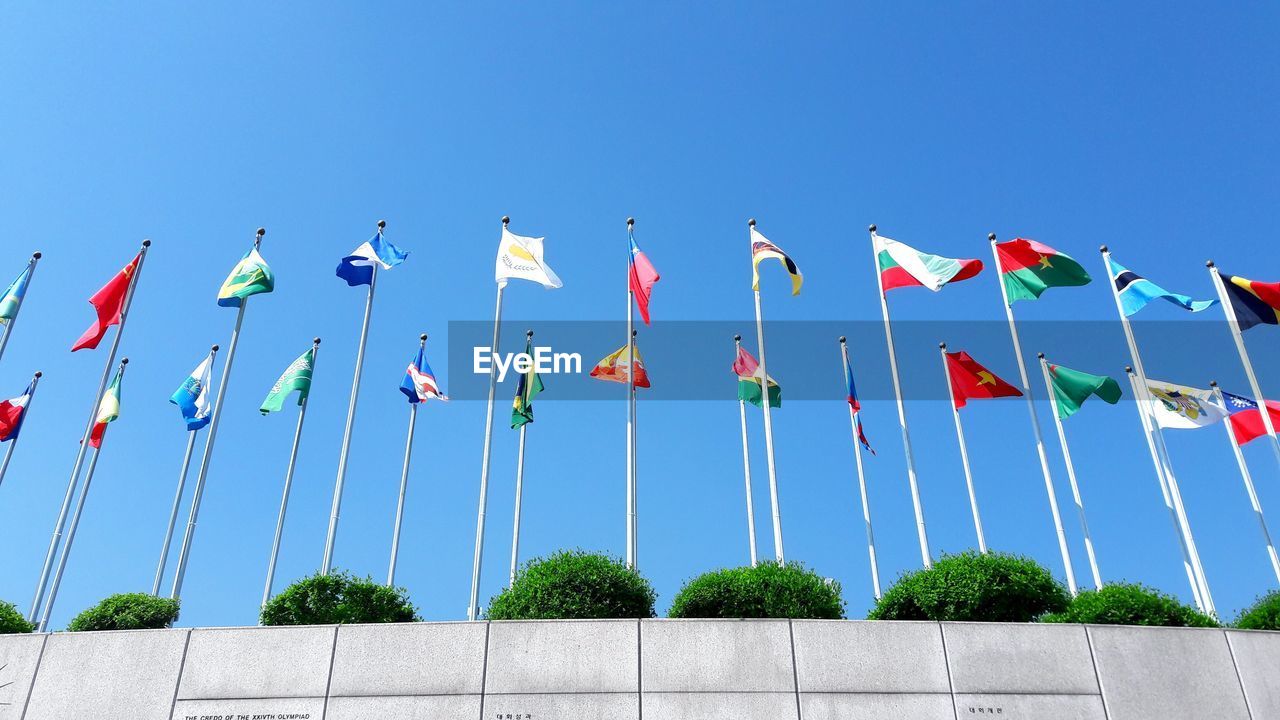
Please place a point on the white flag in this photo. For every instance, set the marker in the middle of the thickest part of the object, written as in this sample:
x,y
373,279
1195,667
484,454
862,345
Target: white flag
x,y
521,257
1178,407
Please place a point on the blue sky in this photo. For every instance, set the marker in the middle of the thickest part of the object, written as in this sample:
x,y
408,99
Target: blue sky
x,y
1149,128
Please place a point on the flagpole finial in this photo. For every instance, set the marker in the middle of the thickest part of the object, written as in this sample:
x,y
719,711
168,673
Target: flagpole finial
x,y
737,338
381,225
1128,369
942,346
36,255
1040,355
214,348
841,339
505,220
528,333
124,361
634,333
39,374
315,341
631,221
991,237
871,227
262,231
1213,383
751,222
1103,250
146,243
1208,263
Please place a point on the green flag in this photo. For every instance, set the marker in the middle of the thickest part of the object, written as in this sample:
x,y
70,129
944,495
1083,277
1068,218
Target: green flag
x,y
296,377
529,387
1072,387
250,276
749,390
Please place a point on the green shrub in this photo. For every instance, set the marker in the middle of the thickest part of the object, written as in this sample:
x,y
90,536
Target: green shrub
x,y
573,584
127,611
1129,604
11,621
990,587
768,590
1262,615
336,599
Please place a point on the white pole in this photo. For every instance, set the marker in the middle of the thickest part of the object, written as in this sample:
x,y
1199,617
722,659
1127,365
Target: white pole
x,y
1035,426
902,411
71,531
862,481
473,605
8,327
746,467
1147,431
1176,493
631,465
964,458
404,483
1071,473
288,483
1248,486
635,478
768,425
1234,322
193,515
515,530
84,439
13,442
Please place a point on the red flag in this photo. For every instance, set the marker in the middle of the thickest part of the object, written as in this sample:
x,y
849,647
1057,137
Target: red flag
x,y
109,302
641,278
1246,420
972,381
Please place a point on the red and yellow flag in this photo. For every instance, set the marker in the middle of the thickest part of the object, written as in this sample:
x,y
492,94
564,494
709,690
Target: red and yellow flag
x,y
971,381
615,366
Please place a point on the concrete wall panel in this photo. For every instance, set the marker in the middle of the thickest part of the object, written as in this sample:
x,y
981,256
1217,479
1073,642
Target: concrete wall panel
x,y
1015,658
272,662
563,656
717,656
1257,656
553,706
702,706
864,656
428,707
19,655
876,706
133,674
1030,707
409,659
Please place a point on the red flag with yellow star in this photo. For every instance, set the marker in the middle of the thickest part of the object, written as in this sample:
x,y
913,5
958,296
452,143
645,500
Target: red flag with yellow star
x,y
971,381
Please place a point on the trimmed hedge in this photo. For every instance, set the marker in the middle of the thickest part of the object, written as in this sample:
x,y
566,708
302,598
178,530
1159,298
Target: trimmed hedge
x,y
1262,615
768,590
338,598
1130,604
11,621
573,584
990,587
127,611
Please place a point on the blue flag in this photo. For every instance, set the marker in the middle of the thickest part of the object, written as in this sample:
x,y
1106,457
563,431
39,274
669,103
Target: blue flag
x,y
12,298
357,268
192,397
1136,291
419,384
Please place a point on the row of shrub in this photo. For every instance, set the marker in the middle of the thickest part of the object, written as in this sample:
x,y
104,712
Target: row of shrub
x,y
990,587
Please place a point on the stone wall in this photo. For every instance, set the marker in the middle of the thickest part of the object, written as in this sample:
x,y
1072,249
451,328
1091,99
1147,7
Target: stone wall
x,y
652,669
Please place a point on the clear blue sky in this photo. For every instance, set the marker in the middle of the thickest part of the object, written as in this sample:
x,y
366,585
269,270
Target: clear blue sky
x,y
1151,128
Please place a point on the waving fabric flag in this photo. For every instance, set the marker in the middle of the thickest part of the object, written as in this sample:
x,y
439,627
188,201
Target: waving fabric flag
x,y
615,366
192,396
12,298
762,249
109,303
641,278
1253,302
1246,421
357,268
852,393
108,411
971,381
1179,407
1072,387
521,258
1136,291
1028,268
529,387
749,375
903,266
419,384
249,277
295,377
12,412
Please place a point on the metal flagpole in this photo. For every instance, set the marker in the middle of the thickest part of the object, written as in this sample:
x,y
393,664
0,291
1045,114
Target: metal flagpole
x,y
71,531
515,530
631,389
1143,416
84,438
746,466
635,478
335,511
473,605
1071,472
768,425
862,482
13,443
1248,486
902,411
1035,426
288,481
177,498
964,461
8,327
1234,322
184,553
404,483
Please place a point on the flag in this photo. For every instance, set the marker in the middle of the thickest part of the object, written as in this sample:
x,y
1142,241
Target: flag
x,y
12,413
1136,291
903,266
108,411
749,376
521,257
616,366
1178,407
1028,268
1254,303
852,396
419,383
1246,421
1072,387
250,276
12,298
109,304
295,377
762,249
529,387
641,278
357,268
971,381
192,396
